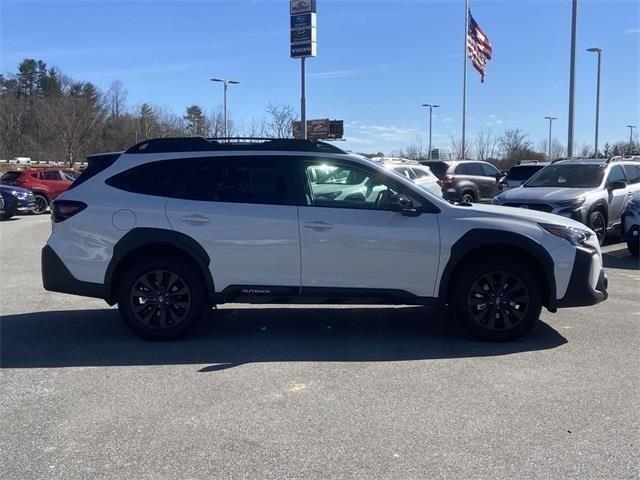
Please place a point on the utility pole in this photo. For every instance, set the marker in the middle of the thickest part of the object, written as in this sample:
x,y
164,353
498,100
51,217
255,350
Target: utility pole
x,y
631,127
225,83
551,119
599,52
431,107
572,75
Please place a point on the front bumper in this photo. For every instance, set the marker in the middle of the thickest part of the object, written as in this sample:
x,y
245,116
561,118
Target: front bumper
x,y
27,205
588,282
56,277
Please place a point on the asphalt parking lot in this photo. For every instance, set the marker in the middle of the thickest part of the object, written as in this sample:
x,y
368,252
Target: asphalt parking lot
x,y
345,392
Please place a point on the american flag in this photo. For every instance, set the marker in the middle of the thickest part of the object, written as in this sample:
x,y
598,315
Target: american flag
x,y
478,46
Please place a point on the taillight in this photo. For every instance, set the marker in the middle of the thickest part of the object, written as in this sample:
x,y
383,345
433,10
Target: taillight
x,y
447,179
63,209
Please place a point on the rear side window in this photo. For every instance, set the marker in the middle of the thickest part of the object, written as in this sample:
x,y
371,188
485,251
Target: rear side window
x,y
633,173
161,179
461,169
10,176
261,179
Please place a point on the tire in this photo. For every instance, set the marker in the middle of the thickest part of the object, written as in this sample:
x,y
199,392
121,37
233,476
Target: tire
x,y
42,204
468,197
488,311
634,248
598,223
161,316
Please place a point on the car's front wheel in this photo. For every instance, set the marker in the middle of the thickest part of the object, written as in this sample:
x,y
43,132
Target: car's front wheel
x,y
497,299
161,298
598,224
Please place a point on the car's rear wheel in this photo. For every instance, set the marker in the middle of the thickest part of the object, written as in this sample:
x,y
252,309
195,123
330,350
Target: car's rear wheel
x,y
598,224
468,197
497,299
42,204
161,298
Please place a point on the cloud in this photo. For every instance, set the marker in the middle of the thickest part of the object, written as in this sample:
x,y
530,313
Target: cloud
x,y
383,133
632,30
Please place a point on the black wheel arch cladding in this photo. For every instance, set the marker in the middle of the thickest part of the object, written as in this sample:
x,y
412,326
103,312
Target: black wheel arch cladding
x,y
477,239
158,237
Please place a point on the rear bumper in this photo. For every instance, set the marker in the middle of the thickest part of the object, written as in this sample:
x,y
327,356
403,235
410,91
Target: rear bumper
x,y
56,277
588,282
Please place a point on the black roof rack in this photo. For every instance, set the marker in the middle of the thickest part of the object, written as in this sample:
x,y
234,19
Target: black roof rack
x,y
201,144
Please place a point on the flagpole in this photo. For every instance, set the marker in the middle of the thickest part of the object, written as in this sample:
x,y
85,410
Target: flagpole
x,y
464,83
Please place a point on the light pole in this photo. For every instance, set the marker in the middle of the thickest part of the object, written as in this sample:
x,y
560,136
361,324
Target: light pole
x,y
599,52
631,127
431,107
551,119
225,83
572,75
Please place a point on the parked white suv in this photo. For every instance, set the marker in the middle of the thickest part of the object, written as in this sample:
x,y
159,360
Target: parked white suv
x,y
173,226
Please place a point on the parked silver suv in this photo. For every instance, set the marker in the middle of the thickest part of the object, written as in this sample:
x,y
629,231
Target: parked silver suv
x,y
594,192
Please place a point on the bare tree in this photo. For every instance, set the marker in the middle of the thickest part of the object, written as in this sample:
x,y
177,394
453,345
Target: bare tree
x,y
117,99
456,149
281,118
486,145
585,151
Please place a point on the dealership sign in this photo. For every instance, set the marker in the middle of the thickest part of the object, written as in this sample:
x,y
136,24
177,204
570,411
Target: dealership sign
x,y
303,28
302,6
321,129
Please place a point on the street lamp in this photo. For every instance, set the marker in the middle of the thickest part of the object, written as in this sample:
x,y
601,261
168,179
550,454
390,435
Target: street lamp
x,y
551,119
631,127
225,82
572,76
431,107
599,52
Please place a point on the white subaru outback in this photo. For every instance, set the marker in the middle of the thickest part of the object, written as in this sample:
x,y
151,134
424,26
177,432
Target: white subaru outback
x,y
174,226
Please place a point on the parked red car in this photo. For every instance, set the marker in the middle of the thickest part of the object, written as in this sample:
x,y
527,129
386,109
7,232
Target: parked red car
x,y
45,183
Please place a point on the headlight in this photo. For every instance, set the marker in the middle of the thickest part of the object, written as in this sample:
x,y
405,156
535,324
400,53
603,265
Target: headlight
x,y
20,195
574,203
573,235
496,200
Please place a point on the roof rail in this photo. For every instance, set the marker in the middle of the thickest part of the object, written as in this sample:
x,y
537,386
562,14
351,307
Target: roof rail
x,y
627,158
201,144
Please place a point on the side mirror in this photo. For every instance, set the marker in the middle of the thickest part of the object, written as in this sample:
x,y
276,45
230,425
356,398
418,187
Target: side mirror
x,y
617,185
402,204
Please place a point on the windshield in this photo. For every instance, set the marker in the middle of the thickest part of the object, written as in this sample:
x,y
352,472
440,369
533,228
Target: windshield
x,y
522,173
568,176
10,176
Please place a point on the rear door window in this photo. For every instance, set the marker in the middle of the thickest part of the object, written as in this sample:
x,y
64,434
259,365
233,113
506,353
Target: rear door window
x,y
54,175
462,169
257,179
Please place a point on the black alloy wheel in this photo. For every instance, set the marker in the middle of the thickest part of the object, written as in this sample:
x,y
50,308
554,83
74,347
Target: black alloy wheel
x,y
498,301
598,224
41,204
161,297
497,298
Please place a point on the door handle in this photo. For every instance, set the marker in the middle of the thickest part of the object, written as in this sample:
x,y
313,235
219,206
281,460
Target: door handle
x,y
318,226
195,219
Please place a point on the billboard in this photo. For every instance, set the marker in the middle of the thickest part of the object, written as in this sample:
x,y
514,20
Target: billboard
x,y
304,20
300,50
320,129
303,35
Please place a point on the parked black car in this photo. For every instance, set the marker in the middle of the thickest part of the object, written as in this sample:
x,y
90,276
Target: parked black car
x,y
466,181
17,200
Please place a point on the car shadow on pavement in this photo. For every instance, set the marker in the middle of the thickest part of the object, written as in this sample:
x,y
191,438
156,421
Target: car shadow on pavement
x,y
233,337
620,259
